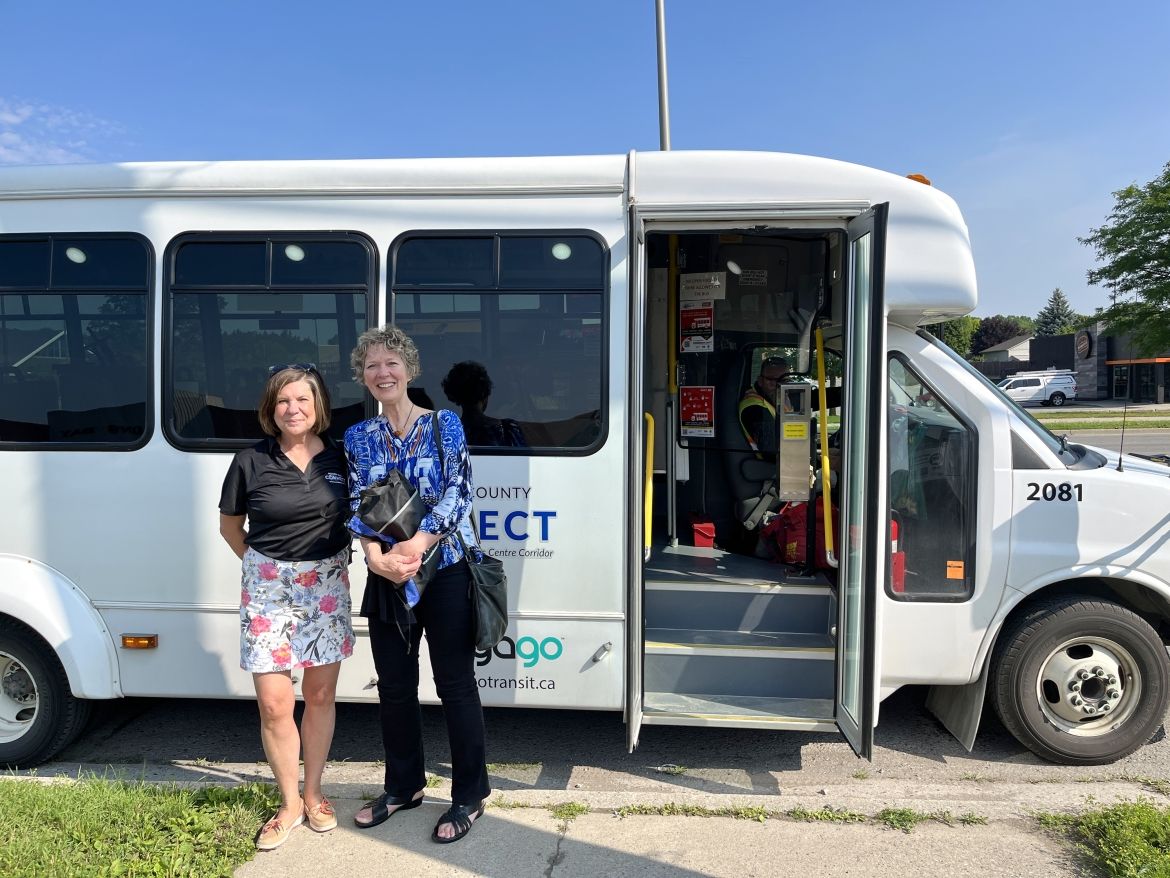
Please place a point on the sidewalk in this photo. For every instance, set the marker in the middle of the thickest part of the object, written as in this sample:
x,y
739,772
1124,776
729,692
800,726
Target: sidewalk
x,y
520,835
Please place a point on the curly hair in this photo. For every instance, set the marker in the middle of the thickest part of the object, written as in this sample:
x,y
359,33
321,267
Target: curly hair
x,y
392,339
467,383
277,381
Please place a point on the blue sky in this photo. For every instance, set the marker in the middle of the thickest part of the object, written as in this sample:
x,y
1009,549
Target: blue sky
x,y
1029,113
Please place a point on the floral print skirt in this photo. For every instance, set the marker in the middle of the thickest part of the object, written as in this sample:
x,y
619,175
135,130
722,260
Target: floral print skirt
x,y
294,614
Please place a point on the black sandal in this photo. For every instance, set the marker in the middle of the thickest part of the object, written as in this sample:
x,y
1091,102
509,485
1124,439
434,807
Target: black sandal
x,y
459,816
380,809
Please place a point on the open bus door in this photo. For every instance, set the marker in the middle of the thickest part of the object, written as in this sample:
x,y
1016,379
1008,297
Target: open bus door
x,y
636,452
863,513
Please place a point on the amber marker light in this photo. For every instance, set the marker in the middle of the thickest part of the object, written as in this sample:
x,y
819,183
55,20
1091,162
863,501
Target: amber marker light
x,y
139,641
919,178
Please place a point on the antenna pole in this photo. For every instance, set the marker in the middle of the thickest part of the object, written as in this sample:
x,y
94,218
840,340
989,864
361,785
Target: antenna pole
x,y
1121,445
663,96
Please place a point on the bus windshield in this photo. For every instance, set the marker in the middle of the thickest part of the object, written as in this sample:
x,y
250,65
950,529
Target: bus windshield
x,y
1057,444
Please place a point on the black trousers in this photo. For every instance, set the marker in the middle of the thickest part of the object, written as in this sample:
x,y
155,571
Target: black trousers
x,y
444,613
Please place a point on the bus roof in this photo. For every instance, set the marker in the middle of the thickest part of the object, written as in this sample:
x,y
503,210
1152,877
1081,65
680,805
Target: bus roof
x,y
929,276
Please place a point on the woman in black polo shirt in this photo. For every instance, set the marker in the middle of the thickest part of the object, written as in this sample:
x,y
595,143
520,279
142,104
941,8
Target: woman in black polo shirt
x,y
294,604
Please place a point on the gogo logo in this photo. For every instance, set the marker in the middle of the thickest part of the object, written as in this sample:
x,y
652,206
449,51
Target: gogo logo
x,y
528,649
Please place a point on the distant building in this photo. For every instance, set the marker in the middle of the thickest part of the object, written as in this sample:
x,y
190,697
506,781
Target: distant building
x,y
1107,367
1018,349
1111,366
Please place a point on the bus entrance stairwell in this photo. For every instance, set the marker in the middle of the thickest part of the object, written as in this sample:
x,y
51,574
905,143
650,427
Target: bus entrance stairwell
x,y
730,637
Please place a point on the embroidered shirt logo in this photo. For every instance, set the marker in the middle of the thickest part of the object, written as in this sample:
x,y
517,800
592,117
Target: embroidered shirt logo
x,y
336,478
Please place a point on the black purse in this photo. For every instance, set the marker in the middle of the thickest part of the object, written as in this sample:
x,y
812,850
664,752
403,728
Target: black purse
x,y
393,506
488,587
489,596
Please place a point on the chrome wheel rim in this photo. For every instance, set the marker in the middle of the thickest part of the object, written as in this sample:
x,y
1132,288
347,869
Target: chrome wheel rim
x,y
1089,686
19,699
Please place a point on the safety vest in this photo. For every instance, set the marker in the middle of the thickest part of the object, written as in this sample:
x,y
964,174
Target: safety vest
x,y
753,397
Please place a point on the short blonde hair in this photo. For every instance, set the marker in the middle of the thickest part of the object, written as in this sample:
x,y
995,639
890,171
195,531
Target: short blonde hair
x,y
392,339
278,381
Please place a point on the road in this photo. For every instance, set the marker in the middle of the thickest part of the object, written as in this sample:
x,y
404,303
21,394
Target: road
x,y
584,753
1136,441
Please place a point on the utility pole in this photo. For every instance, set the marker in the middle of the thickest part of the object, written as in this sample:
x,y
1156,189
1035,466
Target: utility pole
x,y
663,96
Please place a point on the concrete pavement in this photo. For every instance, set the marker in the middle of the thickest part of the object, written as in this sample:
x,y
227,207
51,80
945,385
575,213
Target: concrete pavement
x,y
522,833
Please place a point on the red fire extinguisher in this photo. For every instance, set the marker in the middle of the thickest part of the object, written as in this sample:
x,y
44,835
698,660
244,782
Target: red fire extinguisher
x,y
897,561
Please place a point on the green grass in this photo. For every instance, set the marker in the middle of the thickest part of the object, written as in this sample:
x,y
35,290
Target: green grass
x,y
673,809
906,819
1126,840
567,812
1066,421
95,827
826,815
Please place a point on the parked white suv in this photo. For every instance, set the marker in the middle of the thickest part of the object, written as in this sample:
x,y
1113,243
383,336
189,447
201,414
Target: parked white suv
x,y
1050,387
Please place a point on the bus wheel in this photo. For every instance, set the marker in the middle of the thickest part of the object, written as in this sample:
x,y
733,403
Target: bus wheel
x,y
38,714
1057,399
1080,681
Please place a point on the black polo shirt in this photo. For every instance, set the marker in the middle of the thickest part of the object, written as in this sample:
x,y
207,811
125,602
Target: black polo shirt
x,y
292,516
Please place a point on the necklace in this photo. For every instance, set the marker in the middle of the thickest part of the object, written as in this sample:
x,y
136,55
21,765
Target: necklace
x,y
398,431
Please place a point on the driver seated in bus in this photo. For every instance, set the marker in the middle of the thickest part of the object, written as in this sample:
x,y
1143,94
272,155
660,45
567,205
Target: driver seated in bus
x,y
757,409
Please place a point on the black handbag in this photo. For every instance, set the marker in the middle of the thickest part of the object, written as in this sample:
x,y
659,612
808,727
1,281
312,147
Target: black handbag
x,y
489,597
488,587
393,506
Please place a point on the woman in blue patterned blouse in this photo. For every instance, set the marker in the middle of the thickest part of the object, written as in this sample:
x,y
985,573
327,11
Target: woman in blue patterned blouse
x,y
386,361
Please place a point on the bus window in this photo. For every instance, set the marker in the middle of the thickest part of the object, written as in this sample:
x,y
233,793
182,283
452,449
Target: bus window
x,y
241,303
509,329
932,460
74,352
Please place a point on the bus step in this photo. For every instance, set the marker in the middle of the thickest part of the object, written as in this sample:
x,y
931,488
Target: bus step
x,y
796,670
668,639
730,606
729,711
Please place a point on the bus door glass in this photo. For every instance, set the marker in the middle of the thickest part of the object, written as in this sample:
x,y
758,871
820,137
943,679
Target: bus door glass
x,y
863,515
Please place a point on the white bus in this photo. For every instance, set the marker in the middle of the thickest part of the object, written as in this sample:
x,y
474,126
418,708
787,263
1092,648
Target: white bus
x,y
623,308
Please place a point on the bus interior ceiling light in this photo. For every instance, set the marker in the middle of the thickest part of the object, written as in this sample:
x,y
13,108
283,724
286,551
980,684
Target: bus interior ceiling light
x,y
75,254
294,252
561,251
734,268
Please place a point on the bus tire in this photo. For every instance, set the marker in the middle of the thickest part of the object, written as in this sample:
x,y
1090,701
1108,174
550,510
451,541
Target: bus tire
x,y
1080,681
38,713
1057,399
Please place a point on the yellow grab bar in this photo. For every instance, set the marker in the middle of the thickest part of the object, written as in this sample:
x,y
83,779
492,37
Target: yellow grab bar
x,y
826,474
648,486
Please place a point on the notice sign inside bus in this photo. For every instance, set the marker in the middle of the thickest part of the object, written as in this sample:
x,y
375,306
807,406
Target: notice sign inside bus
x,y
696,407
697,327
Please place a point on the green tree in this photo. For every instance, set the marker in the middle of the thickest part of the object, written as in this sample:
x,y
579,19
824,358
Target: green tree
x,y
1057,317
1134,247
995,330
957,334
1026,324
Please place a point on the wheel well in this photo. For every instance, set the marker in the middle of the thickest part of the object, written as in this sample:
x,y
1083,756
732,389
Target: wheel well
x,y
24,627
1147,603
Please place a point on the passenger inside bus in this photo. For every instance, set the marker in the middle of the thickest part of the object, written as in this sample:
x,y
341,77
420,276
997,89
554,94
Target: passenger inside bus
x,y
469,386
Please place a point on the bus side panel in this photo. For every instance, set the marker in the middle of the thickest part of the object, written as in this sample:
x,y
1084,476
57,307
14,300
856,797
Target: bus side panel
x,y
59,612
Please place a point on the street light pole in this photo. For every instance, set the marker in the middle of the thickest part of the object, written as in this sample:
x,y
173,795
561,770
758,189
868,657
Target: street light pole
x,y
663,96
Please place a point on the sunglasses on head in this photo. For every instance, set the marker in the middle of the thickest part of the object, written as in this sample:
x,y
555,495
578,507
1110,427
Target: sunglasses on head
x,y
304,367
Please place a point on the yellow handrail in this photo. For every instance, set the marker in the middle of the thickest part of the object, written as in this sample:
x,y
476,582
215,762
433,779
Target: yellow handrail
x,y
648,485
826,474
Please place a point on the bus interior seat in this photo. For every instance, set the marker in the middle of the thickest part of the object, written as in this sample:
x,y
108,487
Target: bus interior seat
x,y
28,400
111,423
89,386
747,475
